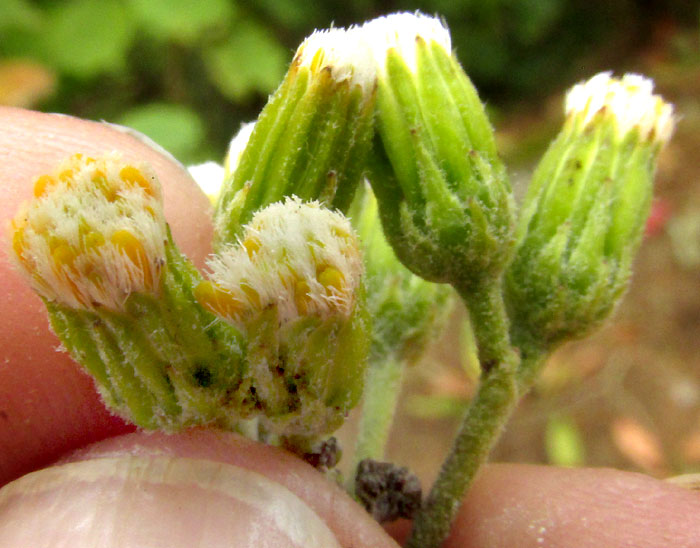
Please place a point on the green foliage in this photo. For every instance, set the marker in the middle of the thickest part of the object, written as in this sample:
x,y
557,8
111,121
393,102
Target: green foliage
x,y
182,21
18,14
84,38
78,38
176,128
250,61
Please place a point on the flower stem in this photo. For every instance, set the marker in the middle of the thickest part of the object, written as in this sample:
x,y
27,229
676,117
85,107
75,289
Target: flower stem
x,y
382,387
488,412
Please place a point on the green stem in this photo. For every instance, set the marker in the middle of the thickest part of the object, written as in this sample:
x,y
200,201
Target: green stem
x,y
382,387
488,412
485,418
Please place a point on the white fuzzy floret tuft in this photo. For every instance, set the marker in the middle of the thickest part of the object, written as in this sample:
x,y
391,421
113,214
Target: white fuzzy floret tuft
x,y
400,31
301,257
630,101
342,51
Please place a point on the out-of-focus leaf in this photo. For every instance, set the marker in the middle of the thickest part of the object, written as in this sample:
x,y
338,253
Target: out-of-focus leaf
x,y
84,38
289,13
536,18
563,442
182,20
251,60
435,407
18,14
23,83
176,128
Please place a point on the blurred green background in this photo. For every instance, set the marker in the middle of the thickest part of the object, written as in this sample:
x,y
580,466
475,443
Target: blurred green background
x,y
187,73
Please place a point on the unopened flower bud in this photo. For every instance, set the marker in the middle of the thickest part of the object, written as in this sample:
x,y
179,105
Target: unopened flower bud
x,y
293,283
444,198
584,213
311,139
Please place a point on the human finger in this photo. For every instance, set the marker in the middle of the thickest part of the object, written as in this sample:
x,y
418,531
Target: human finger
x,y
534,506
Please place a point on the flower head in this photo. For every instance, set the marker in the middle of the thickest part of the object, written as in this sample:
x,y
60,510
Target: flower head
x,y
93,234
444,197
583,217
628,101
300,257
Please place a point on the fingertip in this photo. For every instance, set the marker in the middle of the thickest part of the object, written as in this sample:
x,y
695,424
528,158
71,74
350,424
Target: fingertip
x,y
533,506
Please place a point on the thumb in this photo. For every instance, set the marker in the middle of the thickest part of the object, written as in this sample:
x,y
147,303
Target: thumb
x,y
199,488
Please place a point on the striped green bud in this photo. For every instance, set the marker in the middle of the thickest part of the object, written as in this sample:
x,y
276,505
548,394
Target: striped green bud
x,y
94,244
583,217
311,139
444,198
293,284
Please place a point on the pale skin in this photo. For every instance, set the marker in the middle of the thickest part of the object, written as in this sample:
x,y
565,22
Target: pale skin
x,y
49,411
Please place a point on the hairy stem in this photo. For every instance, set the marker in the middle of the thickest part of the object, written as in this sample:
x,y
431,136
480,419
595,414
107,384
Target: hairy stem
x,y
488,412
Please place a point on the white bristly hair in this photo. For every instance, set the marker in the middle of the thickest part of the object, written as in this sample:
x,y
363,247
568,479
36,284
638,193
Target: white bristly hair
x,y
342,51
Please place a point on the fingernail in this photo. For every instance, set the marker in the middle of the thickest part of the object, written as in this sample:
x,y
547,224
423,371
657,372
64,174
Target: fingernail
x,y
155,501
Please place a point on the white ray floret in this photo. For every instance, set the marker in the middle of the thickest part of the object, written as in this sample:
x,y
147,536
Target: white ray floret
x,y
237,146
209,176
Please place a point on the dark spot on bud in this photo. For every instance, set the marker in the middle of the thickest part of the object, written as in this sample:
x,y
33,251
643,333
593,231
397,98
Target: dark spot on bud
x,y
488,365
202,376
